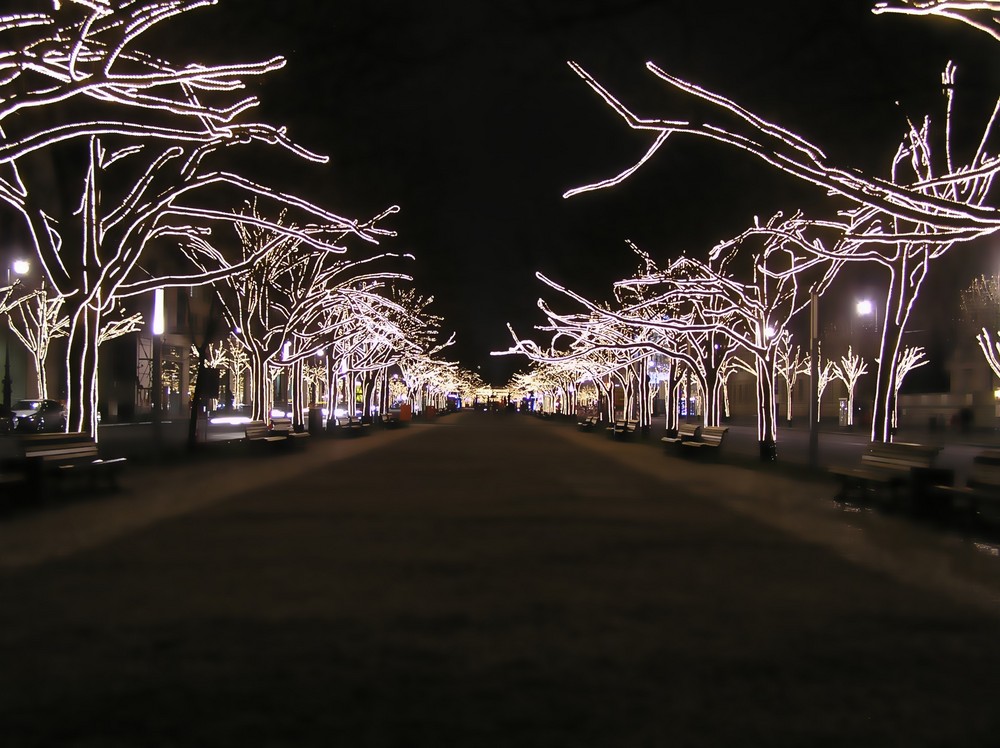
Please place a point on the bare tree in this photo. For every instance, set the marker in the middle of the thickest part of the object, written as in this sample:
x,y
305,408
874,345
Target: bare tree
x,y
850,369
790,363
151,141
826,374
928,203
983,15
290,300
37,323
912,357
751,314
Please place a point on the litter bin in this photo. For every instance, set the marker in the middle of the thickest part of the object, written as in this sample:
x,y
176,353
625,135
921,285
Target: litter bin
x,y
315,421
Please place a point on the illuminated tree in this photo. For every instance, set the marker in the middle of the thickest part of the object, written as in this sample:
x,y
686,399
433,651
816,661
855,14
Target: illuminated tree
x,y
696,341
912,357
849,370
428,380
36,323
316,377
290,301
980,303
827,373
662,323
751,314
929,201
238,362
150,139
408,331
115,323
983,15
790,364
991,350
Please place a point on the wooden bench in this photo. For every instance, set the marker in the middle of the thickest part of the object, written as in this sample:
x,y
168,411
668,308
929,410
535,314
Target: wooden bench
x,y
709,438
390,420
350,425
894,472
258,432
62,457
685,432
282,426
979,498
623,429
588,424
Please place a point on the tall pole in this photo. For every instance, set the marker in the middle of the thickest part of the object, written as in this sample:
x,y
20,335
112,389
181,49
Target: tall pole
x,y
20,267
813,379
6,366
159,328
6,358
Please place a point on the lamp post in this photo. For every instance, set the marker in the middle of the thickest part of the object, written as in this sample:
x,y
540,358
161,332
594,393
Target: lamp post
x,y
20,267
159,327
866,307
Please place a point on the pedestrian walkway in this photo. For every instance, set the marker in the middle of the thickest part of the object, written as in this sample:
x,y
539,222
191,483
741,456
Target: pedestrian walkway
x,y
493,580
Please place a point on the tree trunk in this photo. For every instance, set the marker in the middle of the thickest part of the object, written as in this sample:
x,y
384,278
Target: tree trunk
x,y
261,388
885,377
200,385
767,427
81,371
297,394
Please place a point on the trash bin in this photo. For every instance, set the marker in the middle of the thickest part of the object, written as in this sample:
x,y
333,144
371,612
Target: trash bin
x,y
315,421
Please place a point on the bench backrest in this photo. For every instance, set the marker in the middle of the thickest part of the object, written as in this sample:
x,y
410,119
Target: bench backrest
x,y
281,426
713,434
256,430
59,446
985,471
631,425
899,456
688,430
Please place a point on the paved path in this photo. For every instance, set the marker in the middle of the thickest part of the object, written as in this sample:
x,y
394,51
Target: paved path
x,y
489,581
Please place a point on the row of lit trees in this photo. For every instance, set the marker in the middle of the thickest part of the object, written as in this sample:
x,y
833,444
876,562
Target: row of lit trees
x,y
155,162
738,305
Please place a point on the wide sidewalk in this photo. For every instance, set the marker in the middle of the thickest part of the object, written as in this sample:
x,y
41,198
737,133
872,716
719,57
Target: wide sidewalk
x,y
491,581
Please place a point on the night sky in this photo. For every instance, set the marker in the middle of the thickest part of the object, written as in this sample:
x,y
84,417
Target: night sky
x,y
467,116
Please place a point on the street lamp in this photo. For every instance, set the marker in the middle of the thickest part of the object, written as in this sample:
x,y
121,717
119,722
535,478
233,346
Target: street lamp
x,y
158,328
866,307
20,267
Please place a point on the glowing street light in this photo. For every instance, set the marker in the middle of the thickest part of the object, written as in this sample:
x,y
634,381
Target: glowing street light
x,y
159,327
866,307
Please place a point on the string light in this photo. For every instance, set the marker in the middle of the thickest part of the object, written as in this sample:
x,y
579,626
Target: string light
x,y
983,15
849,370
902,223
147,145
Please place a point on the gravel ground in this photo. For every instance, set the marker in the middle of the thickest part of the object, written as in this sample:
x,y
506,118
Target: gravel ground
x,y
489,581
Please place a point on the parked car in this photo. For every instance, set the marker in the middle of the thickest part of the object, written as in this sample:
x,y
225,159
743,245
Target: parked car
x,y
38,415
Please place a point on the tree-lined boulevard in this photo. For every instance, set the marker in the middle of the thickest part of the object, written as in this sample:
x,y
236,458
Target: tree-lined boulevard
x,y
484,580
445,560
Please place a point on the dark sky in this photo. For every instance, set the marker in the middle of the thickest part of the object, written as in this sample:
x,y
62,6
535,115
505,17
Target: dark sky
x,y
467,116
